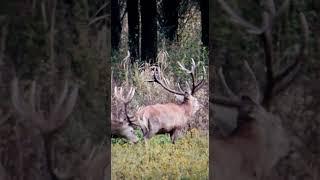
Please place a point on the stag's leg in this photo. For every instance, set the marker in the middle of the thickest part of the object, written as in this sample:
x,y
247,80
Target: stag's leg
x,y
151,133
153,129
174,135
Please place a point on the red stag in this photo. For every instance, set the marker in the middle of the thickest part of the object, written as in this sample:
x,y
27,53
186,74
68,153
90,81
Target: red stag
x,y
248,140
171,117
123,126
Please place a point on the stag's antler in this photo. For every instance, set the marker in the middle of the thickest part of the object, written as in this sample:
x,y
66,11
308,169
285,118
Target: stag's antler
x,y
195,85
31,110
234,100
192,72
118,93
275,81
157,73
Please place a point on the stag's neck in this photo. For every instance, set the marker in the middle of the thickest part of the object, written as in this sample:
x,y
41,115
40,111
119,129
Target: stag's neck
x,y
188,108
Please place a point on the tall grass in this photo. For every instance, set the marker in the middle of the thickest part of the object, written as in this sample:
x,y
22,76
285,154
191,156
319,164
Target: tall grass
x,y
158,158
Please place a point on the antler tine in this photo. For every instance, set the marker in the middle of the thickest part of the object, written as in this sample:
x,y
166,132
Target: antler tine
x,y
157,80
240,20
193,67
232,101
18,103
130,95
180,87
199,85
63,108
188,86
61,99
192,72
226,87
183,67
258,96
288,73
70,102
121,94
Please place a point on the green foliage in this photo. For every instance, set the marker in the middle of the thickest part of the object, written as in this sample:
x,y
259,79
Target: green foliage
x,y
158,158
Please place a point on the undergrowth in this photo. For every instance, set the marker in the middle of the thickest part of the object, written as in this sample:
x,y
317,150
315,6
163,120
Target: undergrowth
x,y
158,158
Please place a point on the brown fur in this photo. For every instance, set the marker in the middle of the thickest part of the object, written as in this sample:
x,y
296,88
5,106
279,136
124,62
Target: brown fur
x,y
252,151
166,118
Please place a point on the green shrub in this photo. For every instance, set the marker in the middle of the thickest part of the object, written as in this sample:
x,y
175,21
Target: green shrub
x,y
158,158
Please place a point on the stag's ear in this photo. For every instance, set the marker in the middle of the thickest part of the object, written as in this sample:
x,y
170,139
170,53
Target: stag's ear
x,y
187,94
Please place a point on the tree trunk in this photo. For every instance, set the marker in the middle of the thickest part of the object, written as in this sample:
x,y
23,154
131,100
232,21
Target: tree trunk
x,y
148,30
133,28
116,24
169,20
204,8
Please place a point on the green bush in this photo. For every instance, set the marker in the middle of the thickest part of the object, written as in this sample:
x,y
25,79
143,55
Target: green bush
x,y
158,158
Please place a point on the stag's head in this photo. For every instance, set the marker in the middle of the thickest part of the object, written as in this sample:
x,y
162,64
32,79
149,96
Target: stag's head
x,y
187,93
124,125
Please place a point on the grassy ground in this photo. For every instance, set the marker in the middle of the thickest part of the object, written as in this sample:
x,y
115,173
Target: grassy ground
x,y
160,159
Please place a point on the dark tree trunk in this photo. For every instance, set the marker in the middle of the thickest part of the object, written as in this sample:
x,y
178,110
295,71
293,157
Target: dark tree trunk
x,y
133,28
148,30
116,24
169,19
204,8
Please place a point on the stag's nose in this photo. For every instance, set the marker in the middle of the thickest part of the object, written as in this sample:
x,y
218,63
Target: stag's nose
x,y
135,141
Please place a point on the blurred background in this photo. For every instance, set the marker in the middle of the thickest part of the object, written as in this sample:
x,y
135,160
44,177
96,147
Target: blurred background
x,y
50,42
